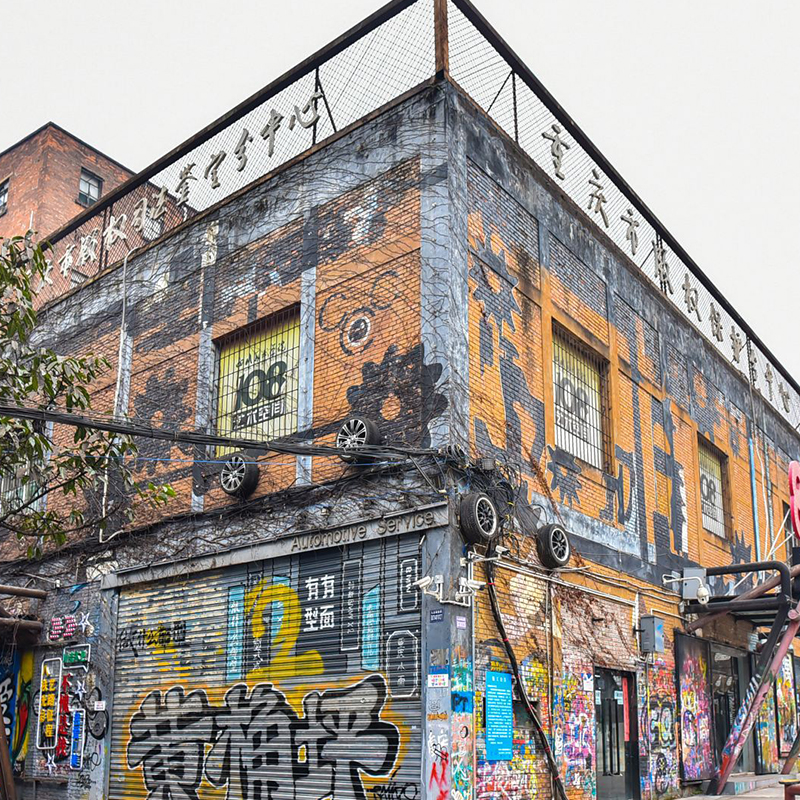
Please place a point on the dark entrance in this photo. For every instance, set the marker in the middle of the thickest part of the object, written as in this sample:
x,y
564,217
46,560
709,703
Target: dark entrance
x,y
729,676
617,742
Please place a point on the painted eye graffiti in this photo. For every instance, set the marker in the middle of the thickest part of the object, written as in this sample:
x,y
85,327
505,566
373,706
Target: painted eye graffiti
x,y
356,333
357,327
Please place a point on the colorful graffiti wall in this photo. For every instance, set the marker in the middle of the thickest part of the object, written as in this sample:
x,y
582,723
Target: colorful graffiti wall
x,y
16,673
696,709
766,741
786,706
297,677
658,724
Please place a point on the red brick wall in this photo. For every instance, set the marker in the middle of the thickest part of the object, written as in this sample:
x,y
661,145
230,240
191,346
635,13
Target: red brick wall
x,y
43,173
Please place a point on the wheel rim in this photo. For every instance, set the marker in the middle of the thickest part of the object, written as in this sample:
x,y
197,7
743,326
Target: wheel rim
x,y
233,474
352,435
486,517
559,544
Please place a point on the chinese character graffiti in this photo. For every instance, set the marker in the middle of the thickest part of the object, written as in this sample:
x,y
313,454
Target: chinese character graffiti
x,y
260,748
168,738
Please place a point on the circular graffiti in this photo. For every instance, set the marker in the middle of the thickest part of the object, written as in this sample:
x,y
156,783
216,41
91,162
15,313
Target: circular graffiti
x,y
661,775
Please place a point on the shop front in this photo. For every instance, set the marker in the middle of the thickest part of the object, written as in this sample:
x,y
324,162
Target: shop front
x,y
296,676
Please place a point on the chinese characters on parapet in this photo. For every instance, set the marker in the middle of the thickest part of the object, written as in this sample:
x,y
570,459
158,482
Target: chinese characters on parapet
x,y
151,208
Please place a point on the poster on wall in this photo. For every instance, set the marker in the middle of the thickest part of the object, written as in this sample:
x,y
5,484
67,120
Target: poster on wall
x,y
693,663
499,717
258,382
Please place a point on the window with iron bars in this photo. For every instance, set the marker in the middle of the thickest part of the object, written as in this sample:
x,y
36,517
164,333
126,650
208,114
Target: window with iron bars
x,y
90,188
3,197
258,380
712,488
580,394
16,493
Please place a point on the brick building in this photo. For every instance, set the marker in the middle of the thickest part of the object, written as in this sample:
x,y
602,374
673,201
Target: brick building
x,y
50,176
450,271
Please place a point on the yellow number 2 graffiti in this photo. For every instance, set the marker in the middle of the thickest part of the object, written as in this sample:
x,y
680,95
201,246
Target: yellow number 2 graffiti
x,y
283,663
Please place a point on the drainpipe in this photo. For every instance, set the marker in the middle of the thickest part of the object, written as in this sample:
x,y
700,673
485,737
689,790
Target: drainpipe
x,y
754,493
751,451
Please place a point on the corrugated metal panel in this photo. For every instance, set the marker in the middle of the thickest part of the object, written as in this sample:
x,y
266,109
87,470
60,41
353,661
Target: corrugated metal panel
x,y
292,678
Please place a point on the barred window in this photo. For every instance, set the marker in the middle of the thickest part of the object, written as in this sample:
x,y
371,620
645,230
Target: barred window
x,y
90,188
258,380
581,408
16,493
3,197
712,489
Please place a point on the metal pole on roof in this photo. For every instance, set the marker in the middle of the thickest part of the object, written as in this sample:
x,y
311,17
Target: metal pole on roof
x,y
441,38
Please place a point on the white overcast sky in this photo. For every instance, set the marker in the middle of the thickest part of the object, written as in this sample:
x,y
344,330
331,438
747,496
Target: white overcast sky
x,y
696,102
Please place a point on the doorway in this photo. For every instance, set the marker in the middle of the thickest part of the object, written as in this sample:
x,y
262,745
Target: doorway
x,y
730,675
616,735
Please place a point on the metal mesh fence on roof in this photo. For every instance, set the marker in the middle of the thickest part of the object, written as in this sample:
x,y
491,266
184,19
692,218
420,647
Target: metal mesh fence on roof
x,y
479,68
375,64
372,70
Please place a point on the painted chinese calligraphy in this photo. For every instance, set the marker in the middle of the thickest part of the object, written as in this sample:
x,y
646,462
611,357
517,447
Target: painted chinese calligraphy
x,y
256,739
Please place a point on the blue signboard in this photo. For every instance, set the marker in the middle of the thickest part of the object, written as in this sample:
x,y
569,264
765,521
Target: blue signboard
x,y
371,627
234,661
499,717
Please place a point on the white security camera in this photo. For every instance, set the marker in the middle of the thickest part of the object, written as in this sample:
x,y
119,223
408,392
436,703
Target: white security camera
x,y
501,551
474,585
423,583
703,595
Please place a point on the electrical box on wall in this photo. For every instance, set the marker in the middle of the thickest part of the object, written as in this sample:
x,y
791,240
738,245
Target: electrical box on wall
x,y
652,634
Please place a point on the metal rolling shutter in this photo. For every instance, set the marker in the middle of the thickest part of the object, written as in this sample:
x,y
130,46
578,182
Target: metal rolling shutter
x,y
291,679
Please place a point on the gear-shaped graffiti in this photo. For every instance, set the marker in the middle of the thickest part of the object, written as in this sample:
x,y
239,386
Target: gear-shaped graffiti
x,y
401,393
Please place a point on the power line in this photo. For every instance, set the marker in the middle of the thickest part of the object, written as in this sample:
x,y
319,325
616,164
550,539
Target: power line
x,y
123,426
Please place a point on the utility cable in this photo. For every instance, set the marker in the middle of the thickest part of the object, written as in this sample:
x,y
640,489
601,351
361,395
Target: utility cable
x,y
114,425
523,691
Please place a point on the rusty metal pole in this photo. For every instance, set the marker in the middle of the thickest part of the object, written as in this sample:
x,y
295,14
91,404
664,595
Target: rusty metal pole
x,y
751,705
441,38
9,792
788,765
23,591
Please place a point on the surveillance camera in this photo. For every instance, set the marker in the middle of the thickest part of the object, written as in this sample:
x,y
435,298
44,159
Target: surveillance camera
x,y
474,585
703,595
501,551
423,583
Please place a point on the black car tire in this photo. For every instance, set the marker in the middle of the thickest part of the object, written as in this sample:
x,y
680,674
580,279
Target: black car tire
x,y
239,475
355,433
479,518
553,546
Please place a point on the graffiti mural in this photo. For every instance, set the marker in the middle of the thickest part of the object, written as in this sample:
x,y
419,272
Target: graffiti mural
x,y
786,706
577,710
658,730
22,712
765,736
256,737
461,736
694,676
295,677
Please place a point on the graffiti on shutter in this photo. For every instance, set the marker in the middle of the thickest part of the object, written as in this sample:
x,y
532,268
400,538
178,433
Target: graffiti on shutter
x,y
293,678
